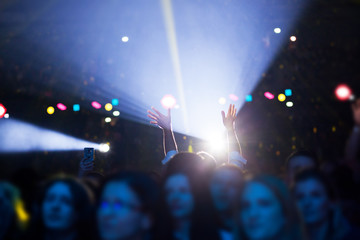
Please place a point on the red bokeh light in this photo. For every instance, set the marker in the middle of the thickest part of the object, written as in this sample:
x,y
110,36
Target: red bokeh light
x,y
343,92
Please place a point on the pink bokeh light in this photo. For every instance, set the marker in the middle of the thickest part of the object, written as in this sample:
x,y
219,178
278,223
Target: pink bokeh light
x,y
269,95
96,105
61,106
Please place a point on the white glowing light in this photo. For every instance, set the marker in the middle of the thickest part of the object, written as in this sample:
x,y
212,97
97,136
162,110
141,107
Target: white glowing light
x,y
293,38
217,142
289,104
277,30
108,119
222,100
6,115
168,101
125,39
104,147
18,136
116,113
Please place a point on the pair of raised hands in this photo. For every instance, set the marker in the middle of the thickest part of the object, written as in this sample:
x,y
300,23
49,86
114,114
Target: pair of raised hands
x,y
164,121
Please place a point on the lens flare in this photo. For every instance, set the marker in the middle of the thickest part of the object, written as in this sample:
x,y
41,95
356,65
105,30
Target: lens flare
x,y
168,101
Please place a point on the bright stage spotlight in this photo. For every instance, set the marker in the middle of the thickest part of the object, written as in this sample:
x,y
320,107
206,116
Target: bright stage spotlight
x,y
50,110
18,136
343,92
217,143
96,105
104,147
2,110
61,106
168,101
293,38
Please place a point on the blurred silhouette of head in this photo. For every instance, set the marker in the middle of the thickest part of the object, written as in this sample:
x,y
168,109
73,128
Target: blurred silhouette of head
x,y
225,186
314,196
127,206
64,205
298,161
266,210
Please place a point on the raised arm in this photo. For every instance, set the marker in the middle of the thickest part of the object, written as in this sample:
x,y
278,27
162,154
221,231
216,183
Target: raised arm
x,y
229,123
164,122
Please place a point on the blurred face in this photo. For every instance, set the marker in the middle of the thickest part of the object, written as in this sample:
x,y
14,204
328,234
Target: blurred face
x,y
261,214
119,215
312,201
178,196
298,164
224,187
57,209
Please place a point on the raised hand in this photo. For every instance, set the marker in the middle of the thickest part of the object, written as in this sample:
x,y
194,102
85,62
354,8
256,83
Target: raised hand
x,y
356,112
159,119
230,117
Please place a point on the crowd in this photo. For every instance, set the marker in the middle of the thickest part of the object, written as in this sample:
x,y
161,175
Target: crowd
x,y
194,197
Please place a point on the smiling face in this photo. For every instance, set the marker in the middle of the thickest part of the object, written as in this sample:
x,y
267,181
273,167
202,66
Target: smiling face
x,y
119,215
261,214
312,200
179,197
224,187
58,212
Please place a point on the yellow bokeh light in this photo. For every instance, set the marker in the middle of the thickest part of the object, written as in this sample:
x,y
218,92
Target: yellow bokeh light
x,y
108,107
281,97
50,110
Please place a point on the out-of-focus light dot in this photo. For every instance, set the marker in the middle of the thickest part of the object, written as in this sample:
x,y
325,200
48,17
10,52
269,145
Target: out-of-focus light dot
x,y
2,110
281,97
288,92
177,106
233,97
293,147
343,92
108,107
50,110
168,101
125,39
289,104
61,106
116,113
269,95
315,130
96,105
333,129
76,107
293,38
104,147
6,115
277,30
248,98
115,102
222,100
108,119
184,137
278,153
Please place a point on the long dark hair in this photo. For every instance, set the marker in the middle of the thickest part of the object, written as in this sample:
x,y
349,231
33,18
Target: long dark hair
x,y
82,201
203,218
293,228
